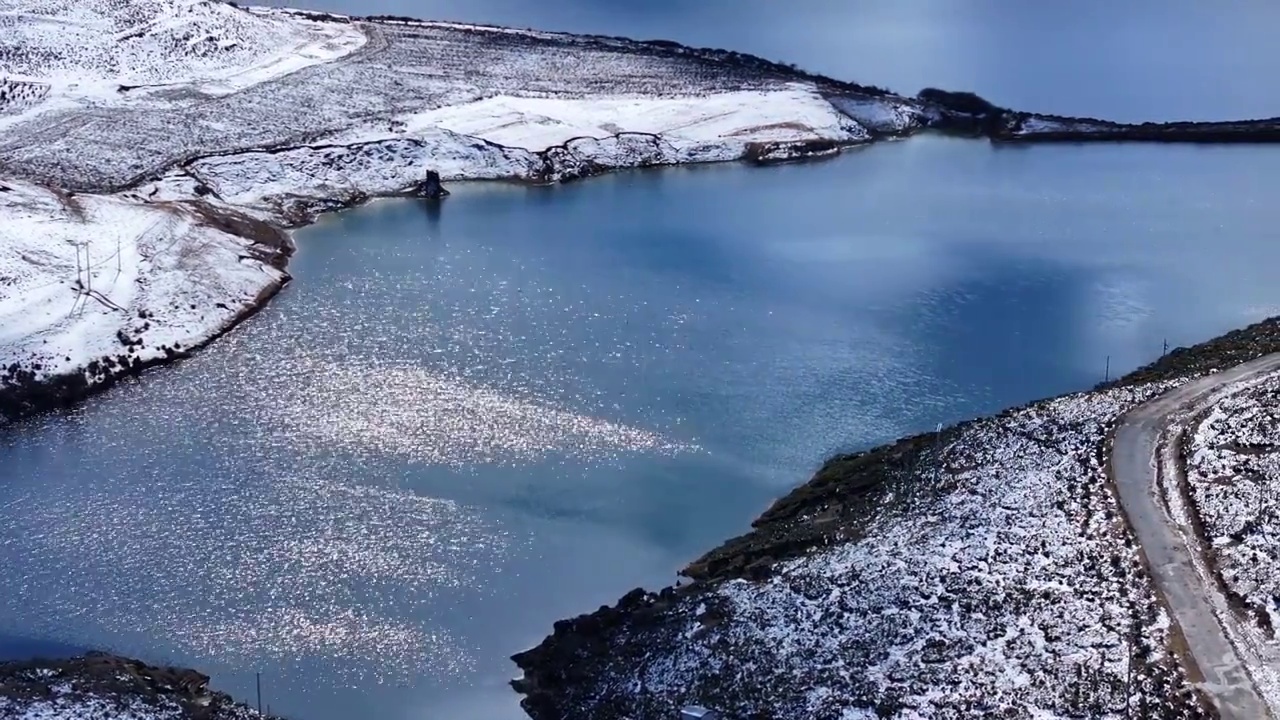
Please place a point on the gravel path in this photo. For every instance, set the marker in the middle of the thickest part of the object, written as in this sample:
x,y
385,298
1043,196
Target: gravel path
x,y
1190,592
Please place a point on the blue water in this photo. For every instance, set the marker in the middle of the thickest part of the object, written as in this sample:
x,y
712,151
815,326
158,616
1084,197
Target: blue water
x,y
460,425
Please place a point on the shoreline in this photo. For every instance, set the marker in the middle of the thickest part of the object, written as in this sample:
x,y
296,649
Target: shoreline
x,y
217,187
576,670
288,184
22,397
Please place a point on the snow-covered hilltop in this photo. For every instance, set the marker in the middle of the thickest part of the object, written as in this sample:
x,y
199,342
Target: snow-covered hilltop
x,y
82,49
359,82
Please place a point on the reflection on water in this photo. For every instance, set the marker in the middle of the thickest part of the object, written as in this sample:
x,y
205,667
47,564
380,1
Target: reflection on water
x,y
452,431
431,419
310,562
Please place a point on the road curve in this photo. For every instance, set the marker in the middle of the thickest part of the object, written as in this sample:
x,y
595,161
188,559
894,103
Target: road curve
x,y
1188,594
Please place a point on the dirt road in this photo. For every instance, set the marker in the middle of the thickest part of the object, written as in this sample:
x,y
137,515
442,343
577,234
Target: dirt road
x,y
1190,593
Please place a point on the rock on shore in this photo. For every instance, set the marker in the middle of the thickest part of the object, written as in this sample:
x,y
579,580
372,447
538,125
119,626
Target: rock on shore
x,y
99,686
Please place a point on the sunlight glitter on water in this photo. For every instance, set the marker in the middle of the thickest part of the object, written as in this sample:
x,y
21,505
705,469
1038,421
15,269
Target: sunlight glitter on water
x,y
271,569
430,418
302,537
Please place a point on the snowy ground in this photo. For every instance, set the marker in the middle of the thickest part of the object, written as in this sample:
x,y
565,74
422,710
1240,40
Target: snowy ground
x,y
1006,585
1233,479
87,280
149,106
392,81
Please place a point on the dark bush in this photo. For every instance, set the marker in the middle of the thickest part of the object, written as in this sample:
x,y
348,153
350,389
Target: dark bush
x,y
962,102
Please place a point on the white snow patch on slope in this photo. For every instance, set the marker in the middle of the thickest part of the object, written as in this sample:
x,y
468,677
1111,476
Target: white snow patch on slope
x,y
77,273
792,115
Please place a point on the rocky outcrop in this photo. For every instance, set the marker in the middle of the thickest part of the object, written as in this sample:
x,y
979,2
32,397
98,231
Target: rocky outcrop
x,y
431,188
101,680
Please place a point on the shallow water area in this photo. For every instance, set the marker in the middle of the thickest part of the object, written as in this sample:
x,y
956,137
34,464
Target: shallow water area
x,y
465,421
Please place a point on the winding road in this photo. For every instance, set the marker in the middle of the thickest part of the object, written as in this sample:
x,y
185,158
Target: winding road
x,y
1140,454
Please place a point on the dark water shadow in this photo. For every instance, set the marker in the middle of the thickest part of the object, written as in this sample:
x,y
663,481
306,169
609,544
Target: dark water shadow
x,y
22,648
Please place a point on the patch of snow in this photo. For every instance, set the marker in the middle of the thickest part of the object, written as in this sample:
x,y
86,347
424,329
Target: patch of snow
x,y
79,274
794,114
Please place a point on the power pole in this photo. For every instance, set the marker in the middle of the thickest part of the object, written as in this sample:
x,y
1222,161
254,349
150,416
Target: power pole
x,y
1107,376
937,452
1165,351
258,678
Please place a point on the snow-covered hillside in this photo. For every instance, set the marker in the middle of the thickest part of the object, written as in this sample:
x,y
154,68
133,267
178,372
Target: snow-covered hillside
x,y
526,90
1000,583
165,113
87,46
105,687
1233,478
100,286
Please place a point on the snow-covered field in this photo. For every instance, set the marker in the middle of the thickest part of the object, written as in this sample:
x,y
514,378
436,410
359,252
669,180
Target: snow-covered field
x,y
1006,585
90,281
163,111
87,50
1233,474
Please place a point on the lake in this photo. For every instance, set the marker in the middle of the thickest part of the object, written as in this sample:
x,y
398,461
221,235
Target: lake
x,y
459,425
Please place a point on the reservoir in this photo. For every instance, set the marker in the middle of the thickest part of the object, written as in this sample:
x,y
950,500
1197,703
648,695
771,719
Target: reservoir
x,y
461,423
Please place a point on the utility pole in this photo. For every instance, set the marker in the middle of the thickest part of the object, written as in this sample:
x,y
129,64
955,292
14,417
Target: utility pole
x,y
258,678
1165,351
1107,377
937,452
